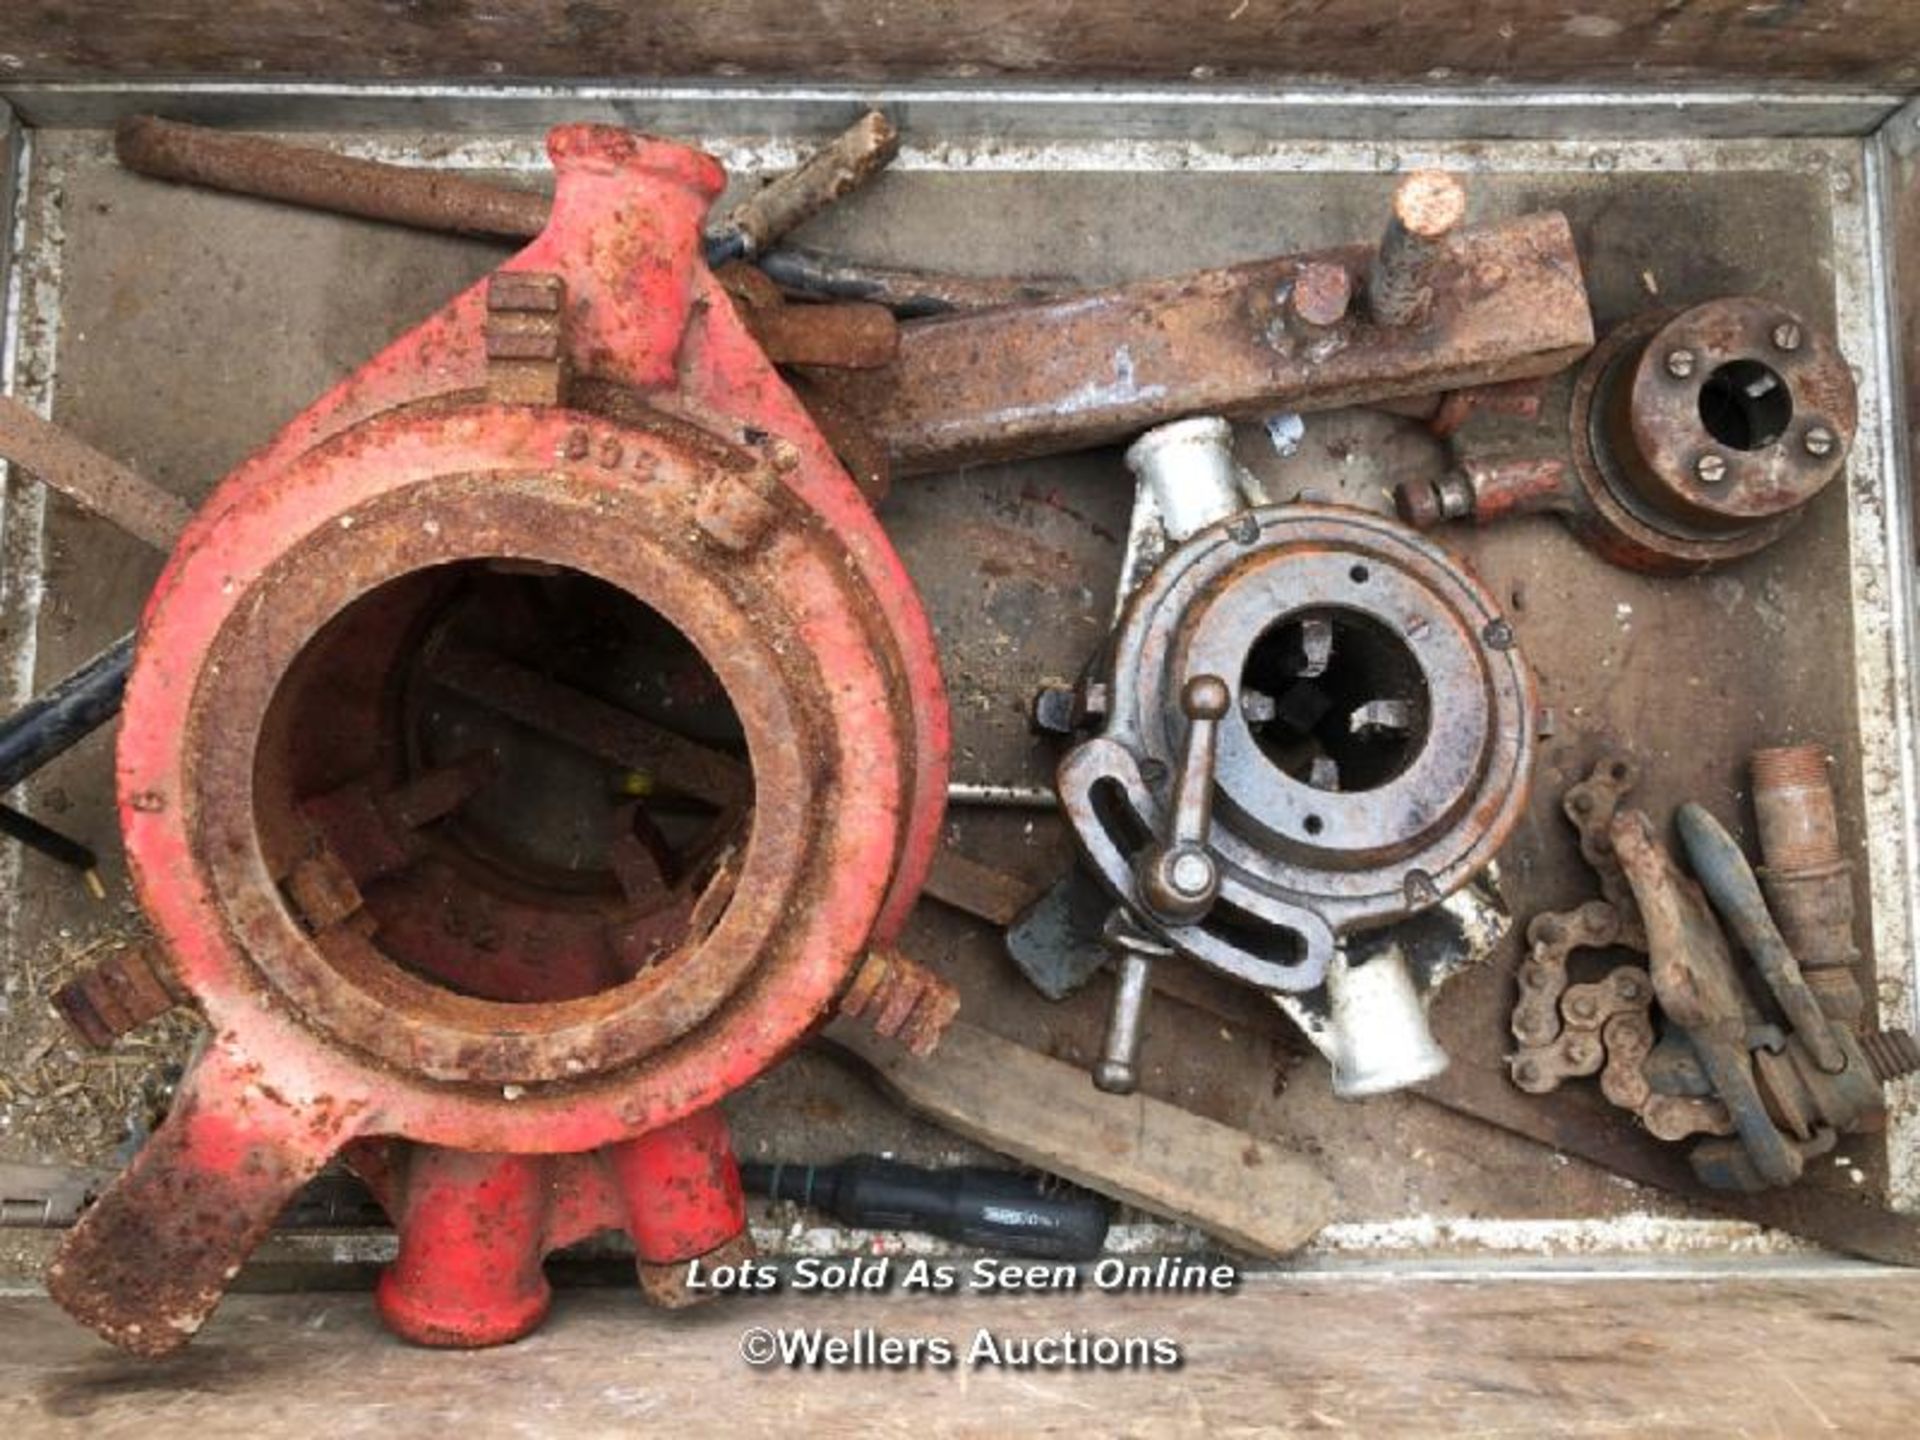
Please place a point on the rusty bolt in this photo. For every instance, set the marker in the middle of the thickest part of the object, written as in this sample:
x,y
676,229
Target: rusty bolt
x,y
1322,291
1786,335
1819,442
902,999
117,993
735,512
1711,469
1680,364
1427,205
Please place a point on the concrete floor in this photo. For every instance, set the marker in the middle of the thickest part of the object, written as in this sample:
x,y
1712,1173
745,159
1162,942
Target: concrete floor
x,y
186,327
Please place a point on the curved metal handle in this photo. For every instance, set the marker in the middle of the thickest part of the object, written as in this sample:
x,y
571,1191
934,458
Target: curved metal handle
x,y
1179,879
1729,882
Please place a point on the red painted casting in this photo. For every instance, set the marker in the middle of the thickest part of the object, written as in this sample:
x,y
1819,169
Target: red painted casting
x,y
368,989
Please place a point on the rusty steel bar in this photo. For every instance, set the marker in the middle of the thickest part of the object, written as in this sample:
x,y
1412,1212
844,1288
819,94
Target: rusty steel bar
x,y
432,200
87,477
607,731
910,294
787,202
301,175
1027,380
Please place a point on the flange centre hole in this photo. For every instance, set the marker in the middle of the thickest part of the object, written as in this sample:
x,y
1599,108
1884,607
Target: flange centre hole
x,y
1336,699
1745,405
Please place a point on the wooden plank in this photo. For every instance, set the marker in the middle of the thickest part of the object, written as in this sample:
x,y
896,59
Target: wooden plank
x,y
1870,42
1805,1355
1237,1187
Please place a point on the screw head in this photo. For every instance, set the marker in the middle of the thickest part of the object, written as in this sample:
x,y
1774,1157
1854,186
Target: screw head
x,y
1820,442
1786,336
1711,469
1680,363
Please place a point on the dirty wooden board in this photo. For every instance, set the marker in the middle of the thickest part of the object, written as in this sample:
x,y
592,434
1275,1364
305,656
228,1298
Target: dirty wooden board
x,y
193,324
1872,41
1678,1357
1245,1192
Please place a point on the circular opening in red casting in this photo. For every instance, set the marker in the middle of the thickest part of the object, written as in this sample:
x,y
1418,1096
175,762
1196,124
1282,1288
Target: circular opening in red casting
x,y
538,785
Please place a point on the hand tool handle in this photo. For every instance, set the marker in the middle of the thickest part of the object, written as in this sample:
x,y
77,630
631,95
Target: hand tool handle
x,y
990,1209
1730,883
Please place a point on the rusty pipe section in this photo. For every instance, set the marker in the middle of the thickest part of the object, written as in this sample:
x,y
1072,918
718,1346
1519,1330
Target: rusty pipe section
x,y
1808,883
1506,302
1484,491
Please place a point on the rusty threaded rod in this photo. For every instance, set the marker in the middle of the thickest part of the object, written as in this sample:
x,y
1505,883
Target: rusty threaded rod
x,y
1808,882
1892,1054
1427,206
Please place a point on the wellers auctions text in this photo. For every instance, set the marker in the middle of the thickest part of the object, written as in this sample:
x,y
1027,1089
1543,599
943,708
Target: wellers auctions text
x,y
874,1274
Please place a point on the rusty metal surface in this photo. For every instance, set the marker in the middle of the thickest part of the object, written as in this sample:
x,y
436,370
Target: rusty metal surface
x,y
901,999
61,460
118,992
1324,827
908,293
1658,489
1807,878
323,882
301,175
1427,206
849,335
1015,563
838,168
1773,1098
1693,438
1089,369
